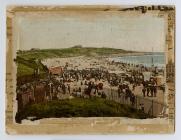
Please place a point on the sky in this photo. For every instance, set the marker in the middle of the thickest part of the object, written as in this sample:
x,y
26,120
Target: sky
x,y
90,29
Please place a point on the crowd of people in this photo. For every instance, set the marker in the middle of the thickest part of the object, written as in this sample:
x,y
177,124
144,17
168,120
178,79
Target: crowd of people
x,y
92,82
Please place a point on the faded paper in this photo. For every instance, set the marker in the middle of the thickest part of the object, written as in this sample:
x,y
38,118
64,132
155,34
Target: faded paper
x,y
90,125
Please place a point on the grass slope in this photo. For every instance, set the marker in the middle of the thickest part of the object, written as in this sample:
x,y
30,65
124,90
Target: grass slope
x,y
26,59
68,52
79,107
27,66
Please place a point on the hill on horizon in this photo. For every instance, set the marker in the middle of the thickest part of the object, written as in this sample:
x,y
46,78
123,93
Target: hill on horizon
x,y
26,60
68,52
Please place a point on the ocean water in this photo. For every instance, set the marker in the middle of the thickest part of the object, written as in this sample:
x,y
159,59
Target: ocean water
x,y
156,59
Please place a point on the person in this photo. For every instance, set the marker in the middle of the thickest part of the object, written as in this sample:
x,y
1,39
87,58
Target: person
x,y
151,89
64,89
80,90
85,83
134,87
148,91
81,83
154,90
68,86
128,93
132,99
144,91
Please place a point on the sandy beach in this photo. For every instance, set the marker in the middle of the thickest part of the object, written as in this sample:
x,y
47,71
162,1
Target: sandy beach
x,y
103,63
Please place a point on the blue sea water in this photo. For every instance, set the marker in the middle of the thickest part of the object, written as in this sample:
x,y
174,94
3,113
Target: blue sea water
x,y
156,59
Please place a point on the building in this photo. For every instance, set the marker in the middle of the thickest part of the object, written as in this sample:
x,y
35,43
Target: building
x,y
56,70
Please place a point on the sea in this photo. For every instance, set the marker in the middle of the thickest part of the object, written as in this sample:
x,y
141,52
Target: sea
x,y
148,60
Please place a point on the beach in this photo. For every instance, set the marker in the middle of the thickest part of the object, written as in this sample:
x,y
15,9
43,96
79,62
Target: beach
x,y
98,79
101,63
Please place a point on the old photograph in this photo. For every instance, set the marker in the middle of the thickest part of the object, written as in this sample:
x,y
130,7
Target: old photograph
x,y
90,69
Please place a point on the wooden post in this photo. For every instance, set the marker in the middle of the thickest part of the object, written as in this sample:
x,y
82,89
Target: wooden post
x,y
136,101
50,84
111,93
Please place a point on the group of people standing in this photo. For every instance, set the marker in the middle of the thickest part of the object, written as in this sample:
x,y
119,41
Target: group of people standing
x,y
149,88
125,92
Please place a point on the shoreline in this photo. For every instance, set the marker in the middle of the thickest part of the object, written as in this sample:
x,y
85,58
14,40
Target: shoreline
x,y
134,54
106,56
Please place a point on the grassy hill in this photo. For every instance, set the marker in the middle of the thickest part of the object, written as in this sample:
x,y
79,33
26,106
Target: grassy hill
x,y
26,60
27,66
79,107
68,52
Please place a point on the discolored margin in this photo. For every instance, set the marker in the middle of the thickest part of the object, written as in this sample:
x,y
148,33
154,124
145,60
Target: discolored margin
x,y
53,8
89,125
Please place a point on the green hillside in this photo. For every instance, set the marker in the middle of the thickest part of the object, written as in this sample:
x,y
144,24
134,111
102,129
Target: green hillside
x,y
68,52
27,60
80,107
27,66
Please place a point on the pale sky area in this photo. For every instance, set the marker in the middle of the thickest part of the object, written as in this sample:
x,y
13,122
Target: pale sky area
x,y
113,30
